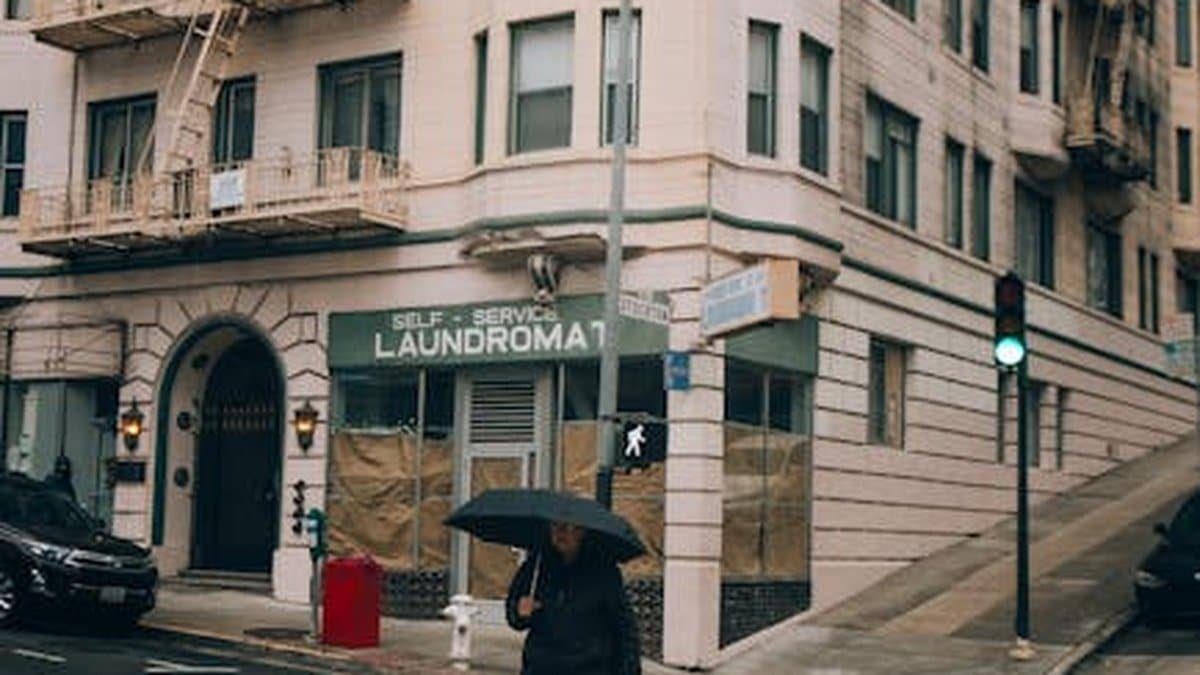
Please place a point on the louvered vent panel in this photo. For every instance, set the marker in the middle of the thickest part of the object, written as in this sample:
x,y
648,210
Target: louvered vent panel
x,y
503,411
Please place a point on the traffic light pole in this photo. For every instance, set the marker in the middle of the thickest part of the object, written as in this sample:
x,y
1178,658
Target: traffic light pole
x,y
1024,648
606,439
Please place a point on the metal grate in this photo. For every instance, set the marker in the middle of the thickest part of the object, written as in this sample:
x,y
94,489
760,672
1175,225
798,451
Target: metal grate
x,y
750,606
503,411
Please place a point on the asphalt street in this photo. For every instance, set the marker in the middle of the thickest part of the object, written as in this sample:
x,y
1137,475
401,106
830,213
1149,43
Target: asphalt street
x,y
60,650
1166,649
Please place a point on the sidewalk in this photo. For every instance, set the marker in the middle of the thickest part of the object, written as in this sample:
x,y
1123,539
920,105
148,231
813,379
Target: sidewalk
x,y
953,612
405,646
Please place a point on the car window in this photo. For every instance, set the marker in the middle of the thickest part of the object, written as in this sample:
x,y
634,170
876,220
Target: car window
x,y
1185,528
41,508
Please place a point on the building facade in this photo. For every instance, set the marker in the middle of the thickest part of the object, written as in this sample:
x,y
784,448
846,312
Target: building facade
x,y
392,212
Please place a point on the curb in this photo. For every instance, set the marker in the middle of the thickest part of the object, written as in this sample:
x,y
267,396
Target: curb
x,y
272,645
1080,652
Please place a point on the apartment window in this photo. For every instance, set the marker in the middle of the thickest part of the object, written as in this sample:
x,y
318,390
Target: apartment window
x,y
1033,424
1183,164
760,110
954,24
1187,292
12,162
233,123
906,7
954,193
1152,130
1060,431
1056,55
1148,317
981,208
1104,266
891,156
360,105
980,34
18,9
541,98
1035,236
119,134
1183,33
611,55
1029,46
1143,19
481,64
814,105
886,394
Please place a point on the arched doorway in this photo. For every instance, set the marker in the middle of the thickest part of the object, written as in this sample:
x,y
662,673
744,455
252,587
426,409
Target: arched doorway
x,y
238,462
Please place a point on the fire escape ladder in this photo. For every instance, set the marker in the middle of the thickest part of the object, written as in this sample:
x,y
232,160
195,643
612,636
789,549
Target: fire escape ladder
x,y
209,44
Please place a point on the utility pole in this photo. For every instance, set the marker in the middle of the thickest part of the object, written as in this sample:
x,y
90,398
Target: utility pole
x,y
610,354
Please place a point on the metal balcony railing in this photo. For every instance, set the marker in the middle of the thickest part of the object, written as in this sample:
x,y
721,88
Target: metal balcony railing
x,y
333,190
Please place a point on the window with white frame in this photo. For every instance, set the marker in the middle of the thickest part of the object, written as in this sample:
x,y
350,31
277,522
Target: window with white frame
x,y
891,158
611,54
542,85
760,89
814,105
360,105
12,161
233,122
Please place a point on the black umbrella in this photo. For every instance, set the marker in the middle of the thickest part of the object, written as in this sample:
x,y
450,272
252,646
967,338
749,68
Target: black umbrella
x,y
520,518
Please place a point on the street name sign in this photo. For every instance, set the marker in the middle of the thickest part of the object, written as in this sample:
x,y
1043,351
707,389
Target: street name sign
x,y
633,307
767,291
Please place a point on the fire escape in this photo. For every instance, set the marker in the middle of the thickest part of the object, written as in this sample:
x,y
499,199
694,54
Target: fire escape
x,y
1116,91
175,197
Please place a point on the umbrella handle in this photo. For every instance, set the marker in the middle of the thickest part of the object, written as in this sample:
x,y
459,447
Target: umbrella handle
x,y
533,582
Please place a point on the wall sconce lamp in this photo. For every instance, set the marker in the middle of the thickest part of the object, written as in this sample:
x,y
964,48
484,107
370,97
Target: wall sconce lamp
x,y
131,426
305,420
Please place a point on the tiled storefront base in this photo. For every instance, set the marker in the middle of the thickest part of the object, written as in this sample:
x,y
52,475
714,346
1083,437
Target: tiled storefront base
x,y
423,594
750,606
415,594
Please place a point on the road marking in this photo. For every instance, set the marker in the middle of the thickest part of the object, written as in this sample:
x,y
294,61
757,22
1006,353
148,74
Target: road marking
x,y
159,666
41,656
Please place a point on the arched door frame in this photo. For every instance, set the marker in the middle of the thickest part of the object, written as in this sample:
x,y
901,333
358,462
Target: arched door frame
x,y
178,354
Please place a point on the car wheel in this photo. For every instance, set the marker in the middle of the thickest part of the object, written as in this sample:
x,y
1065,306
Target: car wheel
x,y
9,597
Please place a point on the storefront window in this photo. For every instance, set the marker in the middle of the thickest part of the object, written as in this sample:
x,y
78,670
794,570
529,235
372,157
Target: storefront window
x,y
766,515
391,467
637,496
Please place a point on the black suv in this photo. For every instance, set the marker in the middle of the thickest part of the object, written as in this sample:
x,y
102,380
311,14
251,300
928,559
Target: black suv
x,y
55,560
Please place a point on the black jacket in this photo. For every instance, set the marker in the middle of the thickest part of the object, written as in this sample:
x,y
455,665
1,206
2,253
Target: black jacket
x,y
584,625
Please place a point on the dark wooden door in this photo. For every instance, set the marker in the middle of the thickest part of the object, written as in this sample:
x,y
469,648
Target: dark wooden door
x,y
237,488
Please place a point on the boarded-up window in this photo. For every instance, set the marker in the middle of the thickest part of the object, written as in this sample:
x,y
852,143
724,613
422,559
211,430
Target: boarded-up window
x,y
767,453
391,468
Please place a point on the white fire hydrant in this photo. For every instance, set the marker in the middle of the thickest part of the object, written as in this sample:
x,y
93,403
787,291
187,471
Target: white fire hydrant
x,y
461,611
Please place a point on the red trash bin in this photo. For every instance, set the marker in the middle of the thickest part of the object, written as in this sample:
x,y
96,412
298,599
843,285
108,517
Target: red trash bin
x,y
350,602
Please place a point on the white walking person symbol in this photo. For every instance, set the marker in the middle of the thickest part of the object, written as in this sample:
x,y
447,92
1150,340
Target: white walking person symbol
x,y
634,439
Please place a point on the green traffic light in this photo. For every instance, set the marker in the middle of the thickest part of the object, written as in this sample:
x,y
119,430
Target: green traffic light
x,y
1009,351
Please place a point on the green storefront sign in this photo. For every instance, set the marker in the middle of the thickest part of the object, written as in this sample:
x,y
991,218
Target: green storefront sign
x,y
497,332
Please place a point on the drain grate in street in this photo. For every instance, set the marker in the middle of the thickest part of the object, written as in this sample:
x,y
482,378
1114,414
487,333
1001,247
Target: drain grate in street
x,y
277,633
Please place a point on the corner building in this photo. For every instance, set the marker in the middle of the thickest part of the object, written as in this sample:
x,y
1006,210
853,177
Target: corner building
x,y
290,203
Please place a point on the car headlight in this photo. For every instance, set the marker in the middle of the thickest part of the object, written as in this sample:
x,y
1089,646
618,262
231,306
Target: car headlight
x,y
1146,579
50,552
